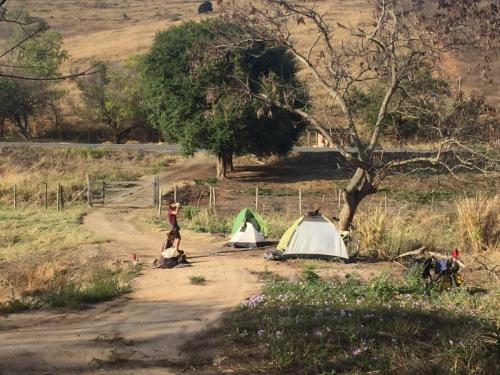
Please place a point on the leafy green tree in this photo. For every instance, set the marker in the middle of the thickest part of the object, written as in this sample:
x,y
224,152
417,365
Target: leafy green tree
x,y
194,95
40,57
113,97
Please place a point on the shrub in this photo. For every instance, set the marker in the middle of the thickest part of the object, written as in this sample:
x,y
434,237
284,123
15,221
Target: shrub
x,y
13,305
189,212
104,284
372,228
478,220
207,221
198,280
309,274
276,224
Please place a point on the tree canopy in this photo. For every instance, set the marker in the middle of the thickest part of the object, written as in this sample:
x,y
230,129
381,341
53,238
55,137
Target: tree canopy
x,y
194,96
113,97
40,57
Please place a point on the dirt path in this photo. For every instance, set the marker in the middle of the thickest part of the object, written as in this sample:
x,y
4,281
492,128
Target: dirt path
x,y
142,332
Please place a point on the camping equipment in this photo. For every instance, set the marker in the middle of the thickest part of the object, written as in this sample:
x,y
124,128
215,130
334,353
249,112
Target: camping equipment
x,y
274,255
437,268
248,215
247,230
205,7
312,236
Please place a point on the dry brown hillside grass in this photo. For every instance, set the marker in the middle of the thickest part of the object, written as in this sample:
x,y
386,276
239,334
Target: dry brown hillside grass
x,y
115,29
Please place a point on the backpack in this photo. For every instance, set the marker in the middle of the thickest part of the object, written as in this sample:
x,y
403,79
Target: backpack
x,y
165,262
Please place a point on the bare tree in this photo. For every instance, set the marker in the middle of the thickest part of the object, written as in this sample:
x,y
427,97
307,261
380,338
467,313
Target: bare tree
x,y
388,47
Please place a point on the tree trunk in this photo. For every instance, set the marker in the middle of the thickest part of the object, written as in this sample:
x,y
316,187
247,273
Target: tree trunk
x,y
2,126
222,165
358,188
230,162
27,126
23,128
57,120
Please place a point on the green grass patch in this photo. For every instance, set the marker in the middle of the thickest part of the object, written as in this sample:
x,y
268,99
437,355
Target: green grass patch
x,y
206,220
38,231
424,197
315,326
103,284
198,280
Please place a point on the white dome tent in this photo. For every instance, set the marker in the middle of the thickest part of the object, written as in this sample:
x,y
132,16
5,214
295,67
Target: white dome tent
x,y
313,236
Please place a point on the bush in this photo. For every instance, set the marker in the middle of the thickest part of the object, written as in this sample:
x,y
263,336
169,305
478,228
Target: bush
x,y
372,228
478,220
276,224
13,305
198,280
189,212
384,234
309,274
104,284
207,221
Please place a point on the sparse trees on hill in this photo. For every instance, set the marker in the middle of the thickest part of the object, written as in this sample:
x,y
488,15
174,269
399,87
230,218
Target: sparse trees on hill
x,y
113,97
194,95
382,53
36,52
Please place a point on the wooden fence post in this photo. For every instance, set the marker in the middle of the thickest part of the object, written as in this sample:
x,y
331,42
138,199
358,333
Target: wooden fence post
x,y
46,197
175,193
58,198
209,196
62,196
89,191
155,191
256,199
159,202
103,192
213,196
15,197
300,201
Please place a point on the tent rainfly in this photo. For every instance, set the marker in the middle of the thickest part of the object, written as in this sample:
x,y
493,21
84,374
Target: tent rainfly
x,y
313,236
247,228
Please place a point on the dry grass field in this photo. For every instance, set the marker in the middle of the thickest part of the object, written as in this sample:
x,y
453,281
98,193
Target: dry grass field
x,y
116,29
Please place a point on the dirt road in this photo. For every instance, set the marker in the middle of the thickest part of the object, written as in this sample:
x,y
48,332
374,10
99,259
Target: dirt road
x,y
142,332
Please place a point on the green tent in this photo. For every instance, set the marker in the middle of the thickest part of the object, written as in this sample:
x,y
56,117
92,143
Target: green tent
x,y
248,215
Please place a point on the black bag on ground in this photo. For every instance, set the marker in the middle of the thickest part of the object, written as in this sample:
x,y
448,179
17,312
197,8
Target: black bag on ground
x,y
166,262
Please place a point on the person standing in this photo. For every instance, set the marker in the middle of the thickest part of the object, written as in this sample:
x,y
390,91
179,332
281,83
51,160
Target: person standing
x,y
173,210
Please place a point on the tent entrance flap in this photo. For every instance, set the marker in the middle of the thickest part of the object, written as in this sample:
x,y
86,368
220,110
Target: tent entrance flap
x,y
247,236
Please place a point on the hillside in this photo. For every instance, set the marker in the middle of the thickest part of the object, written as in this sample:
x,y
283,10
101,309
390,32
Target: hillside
x,y
115,29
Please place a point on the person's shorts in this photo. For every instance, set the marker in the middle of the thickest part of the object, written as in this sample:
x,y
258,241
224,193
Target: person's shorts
x,y
175,230
175,227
